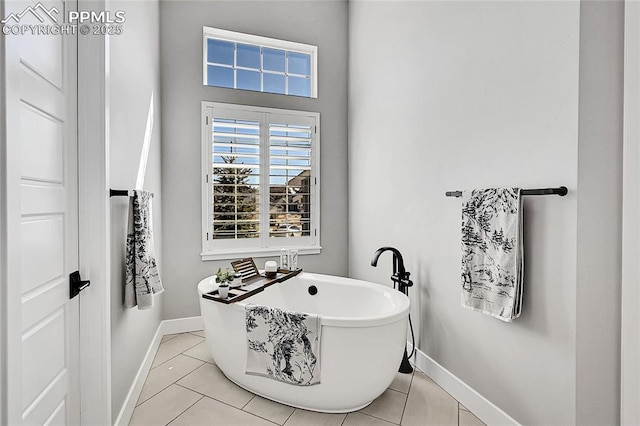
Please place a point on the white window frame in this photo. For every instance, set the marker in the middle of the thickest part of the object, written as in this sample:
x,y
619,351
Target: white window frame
x,y
272,43
265,245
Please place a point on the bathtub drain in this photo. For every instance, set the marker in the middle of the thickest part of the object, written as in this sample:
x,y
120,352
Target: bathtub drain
x,y
313,290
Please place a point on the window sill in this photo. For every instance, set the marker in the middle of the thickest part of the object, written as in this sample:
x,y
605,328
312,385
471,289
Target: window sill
x,y
267,252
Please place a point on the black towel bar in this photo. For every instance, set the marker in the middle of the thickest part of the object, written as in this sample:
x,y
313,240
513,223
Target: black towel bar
x,y
118,193
561,191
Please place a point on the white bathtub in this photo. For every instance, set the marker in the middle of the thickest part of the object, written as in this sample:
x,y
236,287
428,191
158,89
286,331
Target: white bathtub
x,y
364,327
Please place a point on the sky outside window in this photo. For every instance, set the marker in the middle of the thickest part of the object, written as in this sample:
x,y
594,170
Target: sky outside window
x,y
257,68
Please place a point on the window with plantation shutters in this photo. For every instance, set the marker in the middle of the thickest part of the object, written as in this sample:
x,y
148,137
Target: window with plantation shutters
x,y
261,183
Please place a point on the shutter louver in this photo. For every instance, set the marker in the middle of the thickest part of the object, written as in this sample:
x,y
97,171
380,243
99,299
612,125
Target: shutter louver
x,y
236,178
290,180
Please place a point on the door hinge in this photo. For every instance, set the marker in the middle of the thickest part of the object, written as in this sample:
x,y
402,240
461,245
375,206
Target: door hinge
x,y
206,120
315,232
207,178
207,236
76,285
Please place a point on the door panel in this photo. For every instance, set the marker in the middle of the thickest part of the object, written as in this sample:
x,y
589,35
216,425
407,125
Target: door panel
x,y
43,147
44,54
42,259
48,333
32,85
36,302
47,407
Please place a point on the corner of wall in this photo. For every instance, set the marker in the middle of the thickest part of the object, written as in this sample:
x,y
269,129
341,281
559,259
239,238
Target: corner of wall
x,y
599,220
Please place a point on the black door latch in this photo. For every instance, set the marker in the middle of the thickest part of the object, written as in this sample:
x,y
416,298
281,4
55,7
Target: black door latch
x,y
76,285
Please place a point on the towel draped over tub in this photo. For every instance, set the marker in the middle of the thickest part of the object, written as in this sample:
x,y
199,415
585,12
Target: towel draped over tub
x,y
492,252
283,345
142,279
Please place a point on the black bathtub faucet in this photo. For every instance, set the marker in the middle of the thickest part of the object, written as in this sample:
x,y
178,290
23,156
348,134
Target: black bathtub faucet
x,y
400,275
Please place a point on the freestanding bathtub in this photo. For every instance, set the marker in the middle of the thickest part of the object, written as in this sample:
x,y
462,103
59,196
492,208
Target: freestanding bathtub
x,y
364,327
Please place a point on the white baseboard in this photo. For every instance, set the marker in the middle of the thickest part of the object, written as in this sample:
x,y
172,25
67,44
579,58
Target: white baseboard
x,y
481,407
181,325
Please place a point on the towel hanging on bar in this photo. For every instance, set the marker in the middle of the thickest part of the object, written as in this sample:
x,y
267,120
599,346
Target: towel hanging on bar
x,y
142,279
492,252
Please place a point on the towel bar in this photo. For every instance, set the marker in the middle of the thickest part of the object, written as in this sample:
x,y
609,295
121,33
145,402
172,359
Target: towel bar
x,y
118,193
121,193
561,191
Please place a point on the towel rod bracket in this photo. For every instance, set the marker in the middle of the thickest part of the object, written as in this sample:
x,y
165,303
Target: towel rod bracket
x,y
118,193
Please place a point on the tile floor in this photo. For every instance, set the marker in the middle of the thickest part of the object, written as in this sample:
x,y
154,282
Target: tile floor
x,y
184,387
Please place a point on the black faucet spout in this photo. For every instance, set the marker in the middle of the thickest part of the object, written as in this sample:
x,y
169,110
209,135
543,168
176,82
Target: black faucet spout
x,y
400,275
398,261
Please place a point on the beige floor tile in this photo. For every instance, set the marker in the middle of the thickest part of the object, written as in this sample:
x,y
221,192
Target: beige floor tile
x,y
388,406
200,351
270,410
312,418
468,419
209,380
359,419
401,383
185,357
428,404
164,407
211,412
175,346
167,373
168,337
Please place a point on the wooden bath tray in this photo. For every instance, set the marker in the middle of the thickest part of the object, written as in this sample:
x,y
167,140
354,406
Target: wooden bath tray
x,y
251,286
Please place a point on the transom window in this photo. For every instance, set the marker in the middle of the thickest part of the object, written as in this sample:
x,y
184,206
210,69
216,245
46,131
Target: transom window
x,y
243,61
260,191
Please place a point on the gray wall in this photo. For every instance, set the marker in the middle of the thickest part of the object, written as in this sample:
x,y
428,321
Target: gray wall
x,y
321,23
599,262
630,362
3,230
456,95
134,75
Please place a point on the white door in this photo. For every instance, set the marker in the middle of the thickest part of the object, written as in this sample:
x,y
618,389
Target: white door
x,y
42,204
